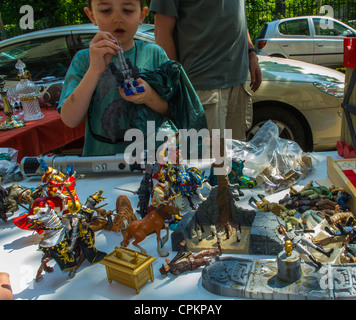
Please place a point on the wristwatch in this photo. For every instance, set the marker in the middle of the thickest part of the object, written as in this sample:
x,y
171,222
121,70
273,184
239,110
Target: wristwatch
x,y
252,50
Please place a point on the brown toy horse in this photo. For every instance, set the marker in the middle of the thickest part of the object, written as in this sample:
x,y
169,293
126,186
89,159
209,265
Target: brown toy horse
x,y
153,222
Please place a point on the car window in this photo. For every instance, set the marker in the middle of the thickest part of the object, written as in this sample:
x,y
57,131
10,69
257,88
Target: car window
x,y
43,57
262,32
78,42
327,27
297,27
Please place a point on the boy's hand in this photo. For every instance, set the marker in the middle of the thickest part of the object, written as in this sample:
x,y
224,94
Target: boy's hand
x,y
102,48
138,98
149,97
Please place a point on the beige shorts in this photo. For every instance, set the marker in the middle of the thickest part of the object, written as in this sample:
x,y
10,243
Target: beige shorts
x,y
228,108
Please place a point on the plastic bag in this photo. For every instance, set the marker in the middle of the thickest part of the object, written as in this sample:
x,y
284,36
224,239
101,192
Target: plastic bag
x,y
9,168
274,162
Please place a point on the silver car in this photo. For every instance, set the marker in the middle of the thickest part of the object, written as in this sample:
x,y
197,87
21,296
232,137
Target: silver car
x,y
302,99
314,39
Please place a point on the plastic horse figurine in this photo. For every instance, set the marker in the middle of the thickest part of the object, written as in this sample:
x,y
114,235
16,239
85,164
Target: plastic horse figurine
x,y
153,222
68,249
124,215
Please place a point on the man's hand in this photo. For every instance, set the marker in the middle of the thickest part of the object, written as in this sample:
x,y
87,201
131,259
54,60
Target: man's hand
x,y
255,71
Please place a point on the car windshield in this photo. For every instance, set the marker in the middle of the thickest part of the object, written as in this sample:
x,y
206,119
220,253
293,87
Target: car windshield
x,y
43,57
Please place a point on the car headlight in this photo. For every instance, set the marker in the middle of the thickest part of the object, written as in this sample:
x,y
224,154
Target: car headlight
x,y
332,88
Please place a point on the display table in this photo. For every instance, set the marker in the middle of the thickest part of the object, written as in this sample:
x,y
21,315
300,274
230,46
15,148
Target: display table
x,y
40,136
20,256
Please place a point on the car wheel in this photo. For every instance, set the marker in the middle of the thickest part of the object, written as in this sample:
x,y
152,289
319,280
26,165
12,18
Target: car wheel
x,y
288,124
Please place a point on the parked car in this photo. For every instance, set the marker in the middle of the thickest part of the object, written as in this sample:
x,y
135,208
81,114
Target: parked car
x,y
314,39
303,99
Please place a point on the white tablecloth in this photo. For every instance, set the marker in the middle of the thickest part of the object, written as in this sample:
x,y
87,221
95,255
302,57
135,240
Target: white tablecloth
x,y
20,256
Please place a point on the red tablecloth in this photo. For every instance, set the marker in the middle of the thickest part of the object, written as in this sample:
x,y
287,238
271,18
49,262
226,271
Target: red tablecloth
x,y
40,136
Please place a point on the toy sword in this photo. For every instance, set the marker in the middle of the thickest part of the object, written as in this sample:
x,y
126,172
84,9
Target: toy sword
x,y
134,192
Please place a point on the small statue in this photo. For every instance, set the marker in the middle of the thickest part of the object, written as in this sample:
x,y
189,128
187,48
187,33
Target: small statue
x,y
288,247
183,262
265,206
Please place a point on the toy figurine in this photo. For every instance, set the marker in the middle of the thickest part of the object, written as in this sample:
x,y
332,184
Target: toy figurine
x,y
124,214
68,248
301,243
18,196
127,75
61,189
291,221
102,221
162,191
288,248
3,208
187,182
145,190
225,222
153,222
235,175
344,218
265,206
187,262
346,235
311,192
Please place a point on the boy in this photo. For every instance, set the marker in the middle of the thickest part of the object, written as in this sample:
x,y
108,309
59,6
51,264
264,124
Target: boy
x,y
90,87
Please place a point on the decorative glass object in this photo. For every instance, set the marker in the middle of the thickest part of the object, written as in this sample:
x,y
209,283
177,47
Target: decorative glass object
x,y
28,93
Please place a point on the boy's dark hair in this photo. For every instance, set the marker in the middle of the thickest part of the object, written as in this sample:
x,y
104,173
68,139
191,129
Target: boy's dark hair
x,y
142,3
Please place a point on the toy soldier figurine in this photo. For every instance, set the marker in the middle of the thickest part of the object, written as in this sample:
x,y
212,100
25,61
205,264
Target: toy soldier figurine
x,y
301,243
144,191
187,262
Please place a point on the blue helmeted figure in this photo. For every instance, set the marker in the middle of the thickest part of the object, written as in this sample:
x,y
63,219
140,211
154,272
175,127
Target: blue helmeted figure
x,y
187,182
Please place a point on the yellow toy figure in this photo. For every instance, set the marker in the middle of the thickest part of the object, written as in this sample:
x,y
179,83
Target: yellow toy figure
x,y
290,220
265,206
161,191
288,247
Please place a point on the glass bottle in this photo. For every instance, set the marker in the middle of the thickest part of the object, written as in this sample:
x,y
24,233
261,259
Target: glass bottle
x,y
28,93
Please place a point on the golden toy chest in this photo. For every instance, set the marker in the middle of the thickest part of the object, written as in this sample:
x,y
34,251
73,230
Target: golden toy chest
x,y
129,267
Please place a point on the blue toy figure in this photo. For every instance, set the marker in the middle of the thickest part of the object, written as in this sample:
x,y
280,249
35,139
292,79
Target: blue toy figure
x,y
126,77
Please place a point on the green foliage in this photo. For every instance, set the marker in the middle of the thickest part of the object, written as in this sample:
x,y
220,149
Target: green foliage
x,y
50,13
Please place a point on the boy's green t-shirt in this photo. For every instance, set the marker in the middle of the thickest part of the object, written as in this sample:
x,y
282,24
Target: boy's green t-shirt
x,y
107,107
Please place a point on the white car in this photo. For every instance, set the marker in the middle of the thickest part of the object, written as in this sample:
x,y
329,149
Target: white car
x,y
314,39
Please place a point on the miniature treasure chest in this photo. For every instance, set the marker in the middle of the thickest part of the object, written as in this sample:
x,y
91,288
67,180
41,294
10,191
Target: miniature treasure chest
x,y
129,267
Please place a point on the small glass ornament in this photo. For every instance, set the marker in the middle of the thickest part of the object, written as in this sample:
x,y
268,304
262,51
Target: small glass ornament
x,y
28,93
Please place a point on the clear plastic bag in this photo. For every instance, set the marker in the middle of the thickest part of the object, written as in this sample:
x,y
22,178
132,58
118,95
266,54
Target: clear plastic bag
x,y
274,162
9,168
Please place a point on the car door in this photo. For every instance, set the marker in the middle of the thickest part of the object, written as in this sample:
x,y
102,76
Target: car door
x,y
329,41
296,40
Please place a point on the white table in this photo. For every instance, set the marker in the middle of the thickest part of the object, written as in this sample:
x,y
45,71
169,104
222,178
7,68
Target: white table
x,y
20,256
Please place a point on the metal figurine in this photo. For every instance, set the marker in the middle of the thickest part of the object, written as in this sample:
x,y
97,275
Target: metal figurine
x,y
126,77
